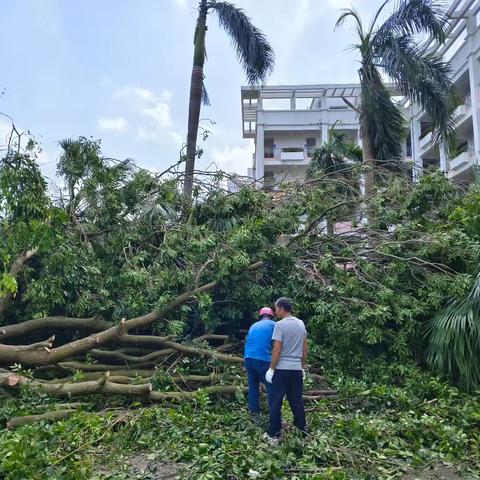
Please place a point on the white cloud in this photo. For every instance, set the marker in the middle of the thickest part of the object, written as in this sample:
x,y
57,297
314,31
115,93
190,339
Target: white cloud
x,y
160,112
151,113
234,158
115,124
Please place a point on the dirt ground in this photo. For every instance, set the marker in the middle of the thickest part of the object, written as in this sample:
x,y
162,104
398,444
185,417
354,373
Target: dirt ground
x,y
156,469
439,472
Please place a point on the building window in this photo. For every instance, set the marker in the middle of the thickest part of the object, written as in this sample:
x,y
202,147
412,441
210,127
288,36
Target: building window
x,y
311,145
269,148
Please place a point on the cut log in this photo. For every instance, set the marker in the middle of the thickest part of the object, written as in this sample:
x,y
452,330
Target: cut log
x,y
9,379
16,422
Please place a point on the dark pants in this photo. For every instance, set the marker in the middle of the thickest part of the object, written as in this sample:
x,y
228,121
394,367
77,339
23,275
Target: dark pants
x,y
256,370
287,383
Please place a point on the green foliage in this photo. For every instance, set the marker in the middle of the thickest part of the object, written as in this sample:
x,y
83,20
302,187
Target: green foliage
x,y
120,249
392,419
454,337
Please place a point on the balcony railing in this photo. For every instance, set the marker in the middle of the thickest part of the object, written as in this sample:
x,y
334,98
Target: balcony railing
x,y
287,155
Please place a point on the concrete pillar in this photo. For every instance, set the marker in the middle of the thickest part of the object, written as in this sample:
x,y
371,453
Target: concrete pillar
x,y
474,77
444,164
325,132
417,159
260,153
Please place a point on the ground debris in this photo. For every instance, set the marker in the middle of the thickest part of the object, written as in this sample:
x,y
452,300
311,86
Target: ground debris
x,y
157,470
438,472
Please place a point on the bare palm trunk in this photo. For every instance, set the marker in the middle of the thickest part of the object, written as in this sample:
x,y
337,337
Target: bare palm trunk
x,y
369,163
196,86
369,178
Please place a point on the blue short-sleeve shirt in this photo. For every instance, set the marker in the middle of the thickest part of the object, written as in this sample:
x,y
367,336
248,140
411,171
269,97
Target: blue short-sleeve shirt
x,y
259,340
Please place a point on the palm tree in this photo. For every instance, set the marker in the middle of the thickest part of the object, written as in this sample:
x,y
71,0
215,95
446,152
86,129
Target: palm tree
x,y
335,158
454,339
391,50
254,53
334,155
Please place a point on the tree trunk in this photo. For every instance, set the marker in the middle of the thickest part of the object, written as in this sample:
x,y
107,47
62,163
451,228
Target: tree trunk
x,y
24,328
196,87
16,422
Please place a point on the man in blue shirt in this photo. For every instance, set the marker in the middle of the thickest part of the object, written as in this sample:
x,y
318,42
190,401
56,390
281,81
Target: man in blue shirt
x,y
258,353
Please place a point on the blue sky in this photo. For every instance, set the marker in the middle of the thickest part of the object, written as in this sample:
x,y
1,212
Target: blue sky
x,y
119,70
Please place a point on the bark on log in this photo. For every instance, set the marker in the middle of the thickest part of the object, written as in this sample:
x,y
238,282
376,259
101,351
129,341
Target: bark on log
x,y
122,371
189,350
150,357
210,336
101,385
24,328
143,339
98,367
16,422
213,390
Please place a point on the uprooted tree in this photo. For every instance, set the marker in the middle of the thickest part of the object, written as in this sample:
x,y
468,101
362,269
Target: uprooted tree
x,y
109,288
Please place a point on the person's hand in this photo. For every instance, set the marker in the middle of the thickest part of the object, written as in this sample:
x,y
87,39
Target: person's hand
x,y
269,375
304,373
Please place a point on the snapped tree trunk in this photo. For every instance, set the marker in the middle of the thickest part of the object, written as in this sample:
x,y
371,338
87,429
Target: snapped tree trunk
x,y
196,88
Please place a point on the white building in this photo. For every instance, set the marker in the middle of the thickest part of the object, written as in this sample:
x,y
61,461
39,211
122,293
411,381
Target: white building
x,y
288,122
462,49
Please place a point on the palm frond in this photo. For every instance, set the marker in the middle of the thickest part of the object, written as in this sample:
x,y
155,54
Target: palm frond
x,y
417,16
350,12
377,14
252,47
334,155
454,340
382,121
424,77
205,97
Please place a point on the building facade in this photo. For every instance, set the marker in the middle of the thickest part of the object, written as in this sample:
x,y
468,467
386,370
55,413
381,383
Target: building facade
x,y
462,50
288,122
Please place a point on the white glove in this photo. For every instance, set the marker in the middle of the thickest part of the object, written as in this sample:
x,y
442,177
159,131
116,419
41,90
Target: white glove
x,y
269,375
304,373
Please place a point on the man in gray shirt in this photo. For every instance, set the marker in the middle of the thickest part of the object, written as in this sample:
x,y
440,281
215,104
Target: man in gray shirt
x,y
289,359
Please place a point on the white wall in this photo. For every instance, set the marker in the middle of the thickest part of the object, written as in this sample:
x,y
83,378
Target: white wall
x,y
292,139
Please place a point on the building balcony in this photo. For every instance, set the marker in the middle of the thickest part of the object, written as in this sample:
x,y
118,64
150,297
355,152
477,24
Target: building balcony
x,y
461,162
291,155
426,140
463,111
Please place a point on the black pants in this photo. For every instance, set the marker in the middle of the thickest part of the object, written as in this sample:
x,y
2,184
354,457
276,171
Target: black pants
x,y
287,383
